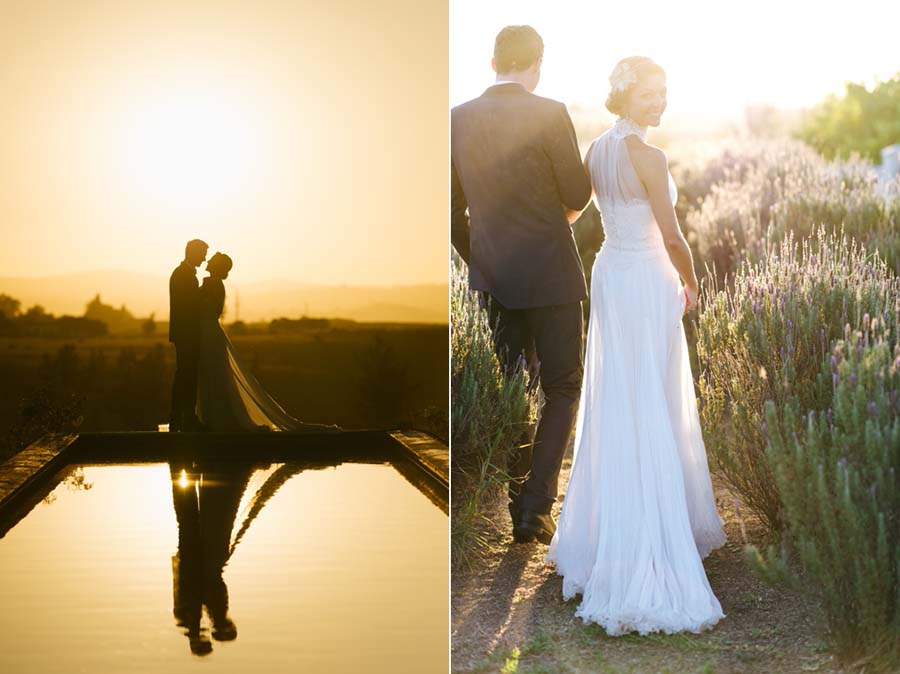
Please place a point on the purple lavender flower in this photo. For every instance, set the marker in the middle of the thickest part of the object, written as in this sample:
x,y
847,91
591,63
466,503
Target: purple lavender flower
x,y
833,362
852,379
873,408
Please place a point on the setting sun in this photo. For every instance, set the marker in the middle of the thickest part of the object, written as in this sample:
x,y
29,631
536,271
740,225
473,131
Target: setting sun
x,y
190,148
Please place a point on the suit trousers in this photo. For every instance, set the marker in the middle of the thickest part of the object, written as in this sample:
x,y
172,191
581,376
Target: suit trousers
x,y
184,384
551,341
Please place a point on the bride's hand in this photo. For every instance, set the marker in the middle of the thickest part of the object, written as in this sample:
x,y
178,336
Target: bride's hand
x,y
691,298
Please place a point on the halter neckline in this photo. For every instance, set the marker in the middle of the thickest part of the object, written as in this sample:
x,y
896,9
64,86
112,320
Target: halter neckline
x,y
627,127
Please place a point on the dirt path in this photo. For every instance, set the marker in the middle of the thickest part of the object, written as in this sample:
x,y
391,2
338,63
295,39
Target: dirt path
x,y
508,615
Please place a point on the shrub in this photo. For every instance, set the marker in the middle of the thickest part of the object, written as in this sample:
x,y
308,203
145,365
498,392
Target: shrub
x,y
764,340
696,168
491,415
861,121
785,187
838,482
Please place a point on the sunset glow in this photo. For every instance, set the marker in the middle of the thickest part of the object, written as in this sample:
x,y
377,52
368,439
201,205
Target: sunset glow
x,y
719,57
309,144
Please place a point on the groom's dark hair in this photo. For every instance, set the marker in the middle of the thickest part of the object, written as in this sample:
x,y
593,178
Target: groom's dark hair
x,y
517,48
195,244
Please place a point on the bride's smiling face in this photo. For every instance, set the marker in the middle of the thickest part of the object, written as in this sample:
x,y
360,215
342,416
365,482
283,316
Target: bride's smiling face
x,y
646,101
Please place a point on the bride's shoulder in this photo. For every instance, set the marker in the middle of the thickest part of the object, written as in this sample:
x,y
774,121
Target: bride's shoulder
x,y
645,157
211,284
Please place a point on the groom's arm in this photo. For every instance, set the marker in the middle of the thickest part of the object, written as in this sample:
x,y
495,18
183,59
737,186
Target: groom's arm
x,y
459,218
572,215
561,146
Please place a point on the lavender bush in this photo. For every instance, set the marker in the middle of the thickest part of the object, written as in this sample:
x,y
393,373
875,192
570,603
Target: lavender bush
x,y
738,204
836,464
764,339
491,415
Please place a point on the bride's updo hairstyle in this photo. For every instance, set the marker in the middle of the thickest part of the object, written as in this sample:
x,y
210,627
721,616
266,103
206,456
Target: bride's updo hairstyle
x,y
221,263
627,73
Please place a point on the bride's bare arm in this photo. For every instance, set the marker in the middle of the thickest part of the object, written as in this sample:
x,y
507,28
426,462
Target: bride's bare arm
x,y
652,168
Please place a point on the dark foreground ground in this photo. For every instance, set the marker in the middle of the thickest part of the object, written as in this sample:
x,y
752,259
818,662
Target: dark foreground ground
x,y
508,616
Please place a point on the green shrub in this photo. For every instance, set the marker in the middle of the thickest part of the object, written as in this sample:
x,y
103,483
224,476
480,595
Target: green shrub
x,y
764,339
491,415
838,482
860,121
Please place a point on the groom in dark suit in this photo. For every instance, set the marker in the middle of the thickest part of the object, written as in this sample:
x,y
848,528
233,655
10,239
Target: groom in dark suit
x,y
517,181
184,332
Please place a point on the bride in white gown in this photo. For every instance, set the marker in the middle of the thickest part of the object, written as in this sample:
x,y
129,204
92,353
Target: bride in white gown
x,y
229,398
639,513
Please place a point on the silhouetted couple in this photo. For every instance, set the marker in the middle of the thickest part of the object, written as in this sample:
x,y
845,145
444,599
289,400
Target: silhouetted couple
x,y
211,390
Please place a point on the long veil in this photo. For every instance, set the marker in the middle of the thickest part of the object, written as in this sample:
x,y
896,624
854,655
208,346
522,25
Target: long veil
x,y
261,408
269,481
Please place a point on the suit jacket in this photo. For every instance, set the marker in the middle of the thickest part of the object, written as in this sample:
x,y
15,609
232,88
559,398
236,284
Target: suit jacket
x,y
515,165
184,304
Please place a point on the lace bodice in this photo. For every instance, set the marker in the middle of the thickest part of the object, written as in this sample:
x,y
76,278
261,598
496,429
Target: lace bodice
x,y
628,220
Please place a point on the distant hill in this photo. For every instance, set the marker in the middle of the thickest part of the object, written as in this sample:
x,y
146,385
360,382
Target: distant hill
x,y
144,294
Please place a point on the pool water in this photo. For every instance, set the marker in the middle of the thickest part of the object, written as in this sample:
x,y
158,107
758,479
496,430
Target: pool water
x,y
228,567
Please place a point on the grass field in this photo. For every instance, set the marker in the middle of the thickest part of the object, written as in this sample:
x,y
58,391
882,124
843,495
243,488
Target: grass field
x,y
357,375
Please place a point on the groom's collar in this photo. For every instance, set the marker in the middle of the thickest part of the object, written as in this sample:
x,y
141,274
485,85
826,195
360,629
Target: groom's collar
x,y
505,87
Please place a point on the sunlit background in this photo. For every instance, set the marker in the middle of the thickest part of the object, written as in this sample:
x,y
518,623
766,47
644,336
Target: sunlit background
x,y
306,140
720,57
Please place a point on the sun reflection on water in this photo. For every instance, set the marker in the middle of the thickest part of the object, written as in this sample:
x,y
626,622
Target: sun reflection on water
x,y
329,557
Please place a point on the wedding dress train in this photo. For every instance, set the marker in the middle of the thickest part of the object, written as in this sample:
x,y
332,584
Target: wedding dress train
x,y
229,398
639,513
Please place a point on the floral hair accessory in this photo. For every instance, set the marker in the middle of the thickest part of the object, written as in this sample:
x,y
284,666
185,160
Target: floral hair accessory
x,y
623,76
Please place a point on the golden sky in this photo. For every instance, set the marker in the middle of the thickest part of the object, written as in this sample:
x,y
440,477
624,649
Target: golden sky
x,y
719,56
306,139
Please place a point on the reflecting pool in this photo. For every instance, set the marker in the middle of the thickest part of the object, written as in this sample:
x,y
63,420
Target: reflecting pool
x,y
227,567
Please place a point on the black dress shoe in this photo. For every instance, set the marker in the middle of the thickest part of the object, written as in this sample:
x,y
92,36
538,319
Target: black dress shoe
x,y
534,526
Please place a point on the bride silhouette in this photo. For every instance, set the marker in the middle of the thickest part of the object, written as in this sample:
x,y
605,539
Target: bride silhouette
x,y
229,398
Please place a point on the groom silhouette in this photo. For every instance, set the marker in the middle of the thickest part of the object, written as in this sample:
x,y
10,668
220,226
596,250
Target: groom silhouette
x,y
516,168
184,333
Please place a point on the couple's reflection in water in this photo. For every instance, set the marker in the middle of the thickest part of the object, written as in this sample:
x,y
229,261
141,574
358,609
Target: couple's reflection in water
x,y
206,499
207,495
